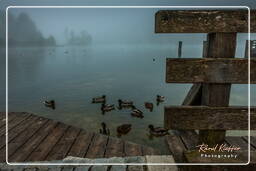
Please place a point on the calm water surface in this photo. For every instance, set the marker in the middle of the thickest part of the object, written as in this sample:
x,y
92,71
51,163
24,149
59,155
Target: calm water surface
x,y
120,72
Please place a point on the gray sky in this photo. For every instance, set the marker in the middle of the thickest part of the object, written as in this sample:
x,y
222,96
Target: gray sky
x,y
107,25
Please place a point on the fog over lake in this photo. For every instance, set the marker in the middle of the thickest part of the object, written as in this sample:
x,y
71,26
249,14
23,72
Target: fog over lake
x,y
99,51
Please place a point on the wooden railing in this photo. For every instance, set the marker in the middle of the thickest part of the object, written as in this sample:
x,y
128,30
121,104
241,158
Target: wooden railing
x,y
212,75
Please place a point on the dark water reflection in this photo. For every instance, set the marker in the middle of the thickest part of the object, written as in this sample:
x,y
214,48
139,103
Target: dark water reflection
x,y
73,78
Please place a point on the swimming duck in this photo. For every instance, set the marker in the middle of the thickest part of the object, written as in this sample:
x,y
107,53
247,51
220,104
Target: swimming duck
x,y
149,106
159,99
107,108
158,131
125,104
136,112
104,129
50,104
123,129
101,99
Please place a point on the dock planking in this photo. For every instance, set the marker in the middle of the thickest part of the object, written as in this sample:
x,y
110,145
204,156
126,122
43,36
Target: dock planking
x,y
33,138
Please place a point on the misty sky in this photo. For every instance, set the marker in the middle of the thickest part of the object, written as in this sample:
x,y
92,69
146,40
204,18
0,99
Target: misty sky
x,y
108,25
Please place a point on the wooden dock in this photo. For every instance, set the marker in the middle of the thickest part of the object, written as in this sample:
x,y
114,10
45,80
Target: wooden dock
x,y
33,138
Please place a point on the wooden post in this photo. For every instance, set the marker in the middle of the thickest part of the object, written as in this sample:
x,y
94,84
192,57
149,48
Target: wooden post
x,y
252,49
220,45
204,49
180,49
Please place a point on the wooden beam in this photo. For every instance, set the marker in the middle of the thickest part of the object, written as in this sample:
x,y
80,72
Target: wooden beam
x,y
194,95
208,118
209,70
204,21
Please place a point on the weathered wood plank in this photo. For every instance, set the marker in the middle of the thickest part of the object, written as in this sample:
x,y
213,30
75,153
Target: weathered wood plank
x,y
190,138
22,153
252,141
22,138
204,21
238,142
16,121
3,119
176,147
242,157
131,149
61,149
81,145
115,148
97,147
208,70
15,130
41,152
149,151
203,118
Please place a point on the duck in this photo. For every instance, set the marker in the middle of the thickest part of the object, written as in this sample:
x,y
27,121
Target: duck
x,y
149,106
104,129
136,112
158,131
50,104
101,99
125,104
159,99
107,107
123,129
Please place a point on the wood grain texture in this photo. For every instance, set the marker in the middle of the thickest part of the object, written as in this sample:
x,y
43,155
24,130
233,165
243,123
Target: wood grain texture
x,y
238,142
219,45
176,147
209,70
204,21
204,118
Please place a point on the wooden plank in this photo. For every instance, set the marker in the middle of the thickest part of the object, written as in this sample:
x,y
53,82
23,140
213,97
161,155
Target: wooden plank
x,y
61,149
238,142
149,151
15,130
97,147
3,120
252,49
115,148
132,149
203,118
204,21
16,121
176,147
180,49
41,152
252,141
189,138
22,138
81,145
242,157
194,95
22,153
209,70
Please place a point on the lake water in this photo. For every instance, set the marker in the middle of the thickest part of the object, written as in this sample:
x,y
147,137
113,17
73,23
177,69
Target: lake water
x,y
119,71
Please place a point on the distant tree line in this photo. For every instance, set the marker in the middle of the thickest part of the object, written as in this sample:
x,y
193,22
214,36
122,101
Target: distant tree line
x,y
72,38
22,31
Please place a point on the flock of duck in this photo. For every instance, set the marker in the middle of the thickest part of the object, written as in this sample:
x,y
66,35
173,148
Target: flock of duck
x,y
122,104
135,112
